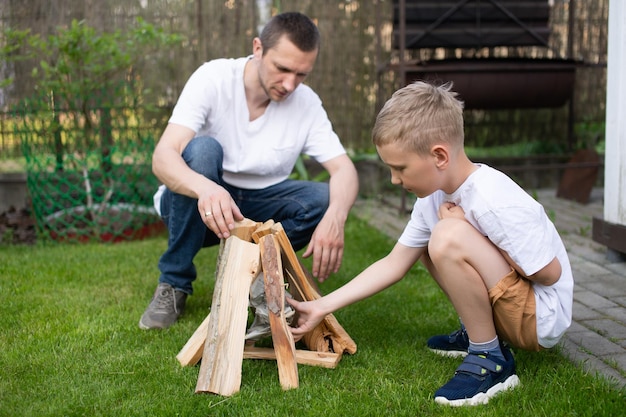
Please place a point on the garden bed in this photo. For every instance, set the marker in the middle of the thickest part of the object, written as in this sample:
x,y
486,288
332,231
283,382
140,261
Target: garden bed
x,y
104,223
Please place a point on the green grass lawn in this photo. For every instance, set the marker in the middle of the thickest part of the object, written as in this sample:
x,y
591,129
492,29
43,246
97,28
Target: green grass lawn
x,y
70,346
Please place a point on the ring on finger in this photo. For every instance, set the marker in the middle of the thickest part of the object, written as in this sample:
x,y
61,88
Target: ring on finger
x,y
207,214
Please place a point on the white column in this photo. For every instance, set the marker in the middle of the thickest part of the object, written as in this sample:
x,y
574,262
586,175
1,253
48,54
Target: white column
x,y
615,156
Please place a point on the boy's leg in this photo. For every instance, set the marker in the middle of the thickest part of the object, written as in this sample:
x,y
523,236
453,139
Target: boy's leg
x,y
297,205
512,297
466,265
187,235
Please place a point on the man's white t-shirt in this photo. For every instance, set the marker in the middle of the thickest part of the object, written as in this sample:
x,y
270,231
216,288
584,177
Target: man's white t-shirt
x,y
262,152
503,212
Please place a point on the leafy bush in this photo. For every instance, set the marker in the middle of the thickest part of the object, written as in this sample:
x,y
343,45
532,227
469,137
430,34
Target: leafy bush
x,y
83,133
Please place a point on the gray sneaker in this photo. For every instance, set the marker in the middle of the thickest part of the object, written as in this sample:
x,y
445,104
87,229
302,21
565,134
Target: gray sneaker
x,y
166,305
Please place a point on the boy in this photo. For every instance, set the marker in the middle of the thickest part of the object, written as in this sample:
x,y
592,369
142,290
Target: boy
x,y
488,245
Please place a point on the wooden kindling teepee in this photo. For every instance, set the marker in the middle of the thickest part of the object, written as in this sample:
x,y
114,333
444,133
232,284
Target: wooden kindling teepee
x,y
220,342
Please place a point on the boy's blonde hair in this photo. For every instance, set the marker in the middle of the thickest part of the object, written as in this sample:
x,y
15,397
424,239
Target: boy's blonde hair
x,y
419,116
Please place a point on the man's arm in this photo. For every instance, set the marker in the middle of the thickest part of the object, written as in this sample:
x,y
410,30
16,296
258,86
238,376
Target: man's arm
x,y
168,164
375,278
327,242
170,168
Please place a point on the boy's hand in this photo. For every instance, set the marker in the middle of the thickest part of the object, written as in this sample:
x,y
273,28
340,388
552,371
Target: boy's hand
x,y
450,210
309,316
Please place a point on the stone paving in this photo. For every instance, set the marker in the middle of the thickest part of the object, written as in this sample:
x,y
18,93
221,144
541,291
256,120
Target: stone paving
x,y
597,336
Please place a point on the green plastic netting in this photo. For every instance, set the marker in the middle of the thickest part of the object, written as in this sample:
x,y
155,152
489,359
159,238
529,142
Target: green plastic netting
x,y
89,173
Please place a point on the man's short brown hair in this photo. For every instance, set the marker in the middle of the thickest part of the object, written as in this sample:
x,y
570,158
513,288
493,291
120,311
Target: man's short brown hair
x,y
298,28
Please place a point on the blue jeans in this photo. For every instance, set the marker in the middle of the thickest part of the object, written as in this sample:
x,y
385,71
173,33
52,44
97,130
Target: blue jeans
x,y
297,205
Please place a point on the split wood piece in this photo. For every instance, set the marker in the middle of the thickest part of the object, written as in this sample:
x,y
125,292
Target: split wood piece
x,y
303,357
329,335
262,230
245,228
222,357
191,353
284,346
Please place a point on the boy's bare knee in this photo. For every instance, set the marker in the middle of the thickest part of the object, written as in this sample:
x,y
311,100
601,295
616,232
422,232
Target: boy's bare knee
x,y
447,237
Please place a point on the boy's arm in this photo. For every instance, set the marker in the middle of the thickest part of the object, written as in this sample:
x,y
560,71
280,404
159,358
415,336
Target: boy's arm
x,y
548,275
375,278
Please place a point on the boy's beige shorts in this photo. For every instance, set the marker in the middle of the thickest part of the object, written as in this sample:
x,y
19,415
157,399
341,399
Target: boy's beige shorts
x,y
514,311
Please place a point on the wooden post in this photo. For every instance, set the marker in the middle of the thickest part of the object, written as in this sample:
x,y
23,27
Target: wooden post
x,y
220,370
284,346
611,230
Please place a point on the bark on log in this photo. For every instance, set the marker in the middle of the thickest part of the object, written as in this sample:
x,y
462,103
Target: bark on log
x,y
284,345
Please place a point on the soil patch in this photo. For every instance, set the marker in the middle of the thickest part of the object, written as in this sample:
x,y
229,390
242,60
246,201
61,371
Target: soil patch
x,y
17,227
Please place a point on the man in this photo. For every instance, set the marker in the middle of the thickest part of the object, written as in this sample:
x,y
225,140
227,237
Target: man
x,y
230,145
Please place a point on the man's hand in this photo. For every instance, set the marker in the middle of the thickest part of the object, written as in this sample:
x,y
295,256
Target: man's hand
x,y
450,210
326,246
215,205
218,210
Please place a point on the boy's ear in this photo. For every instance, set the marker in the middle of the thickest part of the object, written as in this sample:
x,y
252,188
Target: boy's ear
x,y
441,155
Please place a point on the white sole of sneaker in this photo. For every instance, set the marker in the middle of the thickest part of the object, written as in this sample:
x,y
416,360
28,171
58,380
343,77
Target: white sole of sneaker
x,y
482,397
449,353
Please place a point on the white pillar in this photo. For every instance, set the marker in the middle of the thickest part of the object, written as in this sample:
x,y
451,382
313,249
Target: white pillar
x,y
615,155
611,230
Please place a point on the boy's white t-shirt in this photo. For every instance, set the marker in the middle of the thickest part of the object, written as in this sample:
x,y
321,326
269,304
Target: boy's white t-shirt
x,y
262,152
516,223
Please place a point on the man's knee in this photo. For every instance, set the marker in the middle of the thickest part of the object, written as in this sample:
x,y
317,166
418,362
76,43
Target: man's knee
x,y
305,212
320,196
204,155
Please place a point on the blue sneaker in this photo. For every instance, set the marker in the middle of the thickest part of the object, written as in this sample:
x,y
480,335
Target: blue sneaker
x,y
452,345
478,379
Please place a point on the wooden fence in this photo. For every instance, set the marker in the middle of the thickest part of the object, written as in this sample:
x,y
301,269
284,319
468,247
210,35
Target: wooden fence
x,y
352,74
